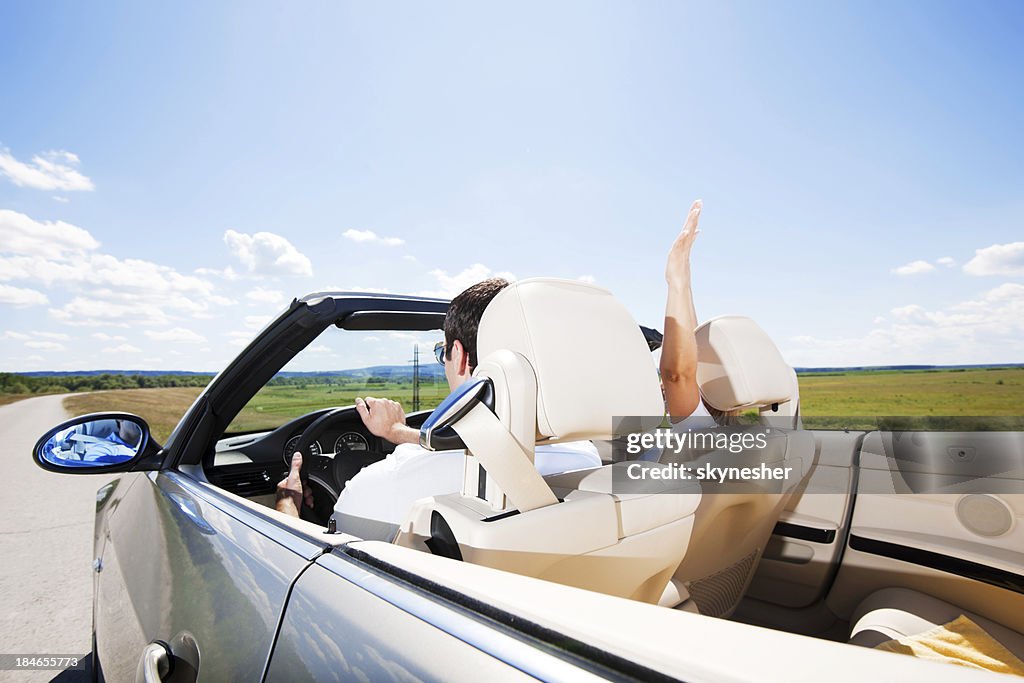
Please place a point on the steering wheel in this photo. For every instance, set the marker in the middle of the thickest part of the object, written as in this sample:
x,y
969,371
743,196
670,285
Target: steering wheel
x,y
329,472
317,465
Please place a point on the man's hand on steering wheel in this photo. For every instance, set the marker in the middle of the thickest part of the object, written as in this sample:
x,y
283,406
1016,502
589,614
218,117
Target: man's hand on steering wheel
x,y
386,418
293,490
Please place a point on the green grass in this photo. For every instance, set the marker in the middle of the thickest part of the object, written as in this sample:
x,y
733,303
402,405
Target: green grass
x,y
274,405
161,408
828,400
11,398
270,407
914,392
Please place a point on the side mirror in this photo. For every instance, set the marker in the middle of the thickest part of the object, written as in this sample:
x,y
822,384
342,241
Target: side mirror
x,y
95,443
436,433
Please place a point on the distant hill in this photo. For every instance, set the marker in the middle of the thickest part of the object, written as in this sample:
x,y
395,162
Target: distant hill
x,y
869,368
428,371
90,373
431,370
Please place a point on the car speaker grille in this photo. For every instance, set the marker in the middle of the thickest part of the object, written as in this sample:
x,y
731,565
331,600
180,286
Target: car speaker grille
x,y
718,594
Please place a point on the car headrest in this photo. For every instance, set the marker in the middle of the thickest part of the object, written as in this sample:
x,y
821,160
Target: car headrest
x,y
589,356
738,365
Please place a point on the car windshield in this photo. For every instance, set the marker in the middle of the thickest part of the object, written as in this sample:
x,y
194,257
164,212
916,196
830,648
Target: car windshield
x,y
340,365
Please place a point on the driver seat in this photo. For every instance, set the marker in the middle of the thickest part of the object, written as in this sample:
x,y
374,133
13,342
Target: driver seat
x,y
559,360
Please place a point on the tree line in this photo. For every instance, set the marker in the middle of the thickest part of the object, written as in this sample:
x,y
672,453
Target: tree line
x,y
11,383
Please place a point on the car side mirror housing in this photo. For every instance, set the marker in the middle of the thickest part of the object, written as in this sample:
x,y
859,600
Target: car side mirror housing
x,y
96,443
437,434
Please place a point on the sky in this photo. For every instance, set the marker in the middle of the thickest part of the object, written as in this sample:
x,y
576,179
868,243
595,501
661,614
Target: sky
x,y
172,175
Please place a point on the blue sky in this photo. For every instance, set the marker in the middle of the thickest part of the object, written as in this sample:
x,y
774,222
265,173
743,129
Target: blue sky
x,y
171,174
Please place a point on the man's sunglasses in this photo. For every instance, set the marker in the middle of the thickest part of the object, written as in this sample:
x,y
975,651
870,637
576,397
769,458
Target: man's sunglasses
x,y
439,352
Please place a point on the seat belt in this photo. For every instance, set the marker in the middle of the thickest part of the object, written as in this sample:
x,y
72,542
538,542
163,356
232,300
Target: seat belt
x,y
503,459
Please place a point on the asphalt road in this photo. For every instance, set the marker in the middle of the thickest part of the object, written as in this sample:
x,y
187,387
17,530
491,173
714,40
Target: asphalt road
x,y
45,544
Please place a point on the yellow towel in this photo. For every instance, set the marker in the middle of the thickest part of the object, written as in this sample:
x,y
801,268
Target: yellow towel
x,y
961,641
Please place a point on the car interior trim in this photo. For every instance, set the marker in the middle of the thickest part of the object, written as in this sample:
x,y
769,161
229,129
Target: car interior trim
x,y
945,563
804,533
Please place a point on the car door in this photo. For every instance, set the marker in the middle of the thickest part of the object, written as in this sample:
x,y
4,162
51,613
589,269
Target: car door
x,y
184,565
802,556
345,622
941,513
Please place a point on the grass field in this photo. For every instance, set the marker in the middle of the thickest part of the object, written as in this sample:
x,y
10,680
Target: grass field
x,y
11,398
828,400
271,407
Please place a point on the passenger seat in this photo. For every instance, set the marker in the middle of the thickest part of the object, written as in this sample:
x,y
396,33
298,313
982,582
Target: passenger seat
x,y
899,612
739,368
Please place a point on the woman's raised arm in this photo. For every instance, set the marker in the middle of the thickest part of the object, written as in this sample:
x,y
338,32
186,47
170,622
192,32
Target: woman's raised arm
x,y
679,347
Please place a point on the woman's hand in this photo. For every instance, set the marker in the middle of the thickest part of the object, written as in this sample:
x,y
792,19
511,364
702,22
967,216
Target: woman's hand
x,y
678,266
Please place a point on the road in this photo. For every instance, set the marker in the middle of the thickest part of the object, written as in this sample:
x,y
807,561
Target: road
x,y
45,544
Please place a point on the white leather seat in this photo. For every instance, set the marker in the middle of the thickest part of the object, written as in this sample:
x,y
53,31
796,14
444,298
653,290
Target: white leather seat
x,y
901,612
739,367
562,358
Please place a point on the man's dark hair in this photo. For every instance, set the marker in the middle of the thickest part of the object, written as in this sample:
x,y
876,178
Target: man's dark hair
x,y
464,313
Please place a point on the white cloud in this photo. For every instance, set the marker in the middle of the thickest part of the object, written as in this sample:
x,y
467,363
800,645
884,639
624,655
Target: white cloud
x,y
227,273
11,334
59,336
256,322
61,254
103,336
589,279
914,268
907,312
22,297
47,171
357,289
265,296
266,253
320,348
985,329
369,236
44,345
20,234
107,290
999,259
122,348
176,334
450,285
60,200
947,261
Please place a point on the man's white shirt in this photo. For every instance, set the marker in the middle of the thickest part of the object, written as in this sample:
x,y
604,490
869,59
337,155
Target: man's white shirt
x,y
386,490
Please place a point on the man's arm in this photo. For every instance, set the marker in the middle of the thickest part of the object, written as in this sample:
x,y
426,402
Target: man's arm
x,y
386,418
679,347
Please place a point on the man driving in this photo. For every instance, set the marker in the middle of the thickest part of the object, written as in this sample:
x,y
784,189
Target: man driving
x,y
376,501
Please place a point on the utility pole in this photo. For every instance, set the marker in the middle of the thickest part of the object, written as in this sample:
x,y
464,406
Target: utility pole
x,y
415,378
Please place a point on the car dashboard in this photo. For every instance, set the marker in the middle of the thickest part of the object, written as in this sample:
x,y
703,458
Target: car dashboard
x,y
251,464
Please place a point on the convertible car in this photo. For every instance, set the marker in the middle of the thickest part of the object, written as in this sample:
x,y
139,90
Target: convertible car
x,y
873,537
